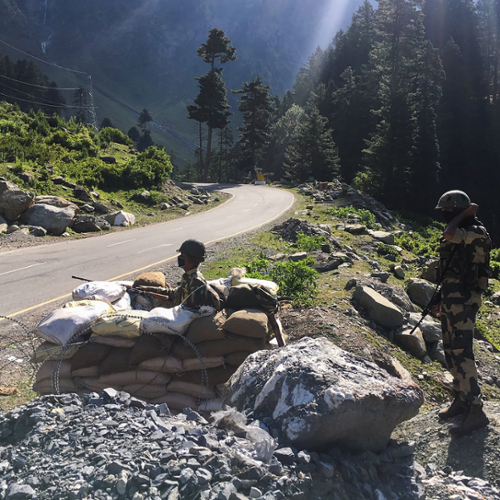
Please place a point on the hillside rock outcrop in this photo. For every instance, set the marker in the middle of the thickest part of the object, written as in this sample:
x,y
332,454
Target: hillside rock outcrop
x,y
55,220
314,395
13,200
379,309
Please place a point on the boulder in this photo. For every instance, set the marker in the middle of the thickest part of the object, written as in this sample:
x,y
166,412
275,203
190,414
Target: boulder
x,y
110,160
55,201
3,225
35,230
383,236
355,228
296,257
54,220
380,310
314,395
89,209
413,343
332,262
395,294
399,272
429,272
144,197
90,224
27,178
81,193
13,200
420,291
431,330
100,208
120,218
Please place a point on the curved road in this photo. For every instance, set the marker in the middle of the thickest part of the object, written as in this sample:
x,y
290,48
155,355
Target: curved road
x,y
36,276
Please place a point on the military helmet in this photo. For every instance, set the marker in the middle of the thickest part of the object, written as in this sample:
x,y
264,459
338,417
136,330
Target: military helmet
x,y
453,199
193,247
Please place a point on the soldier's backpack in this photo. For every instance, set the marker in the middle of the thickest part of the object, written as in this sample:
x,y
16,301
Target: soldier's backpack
x,y
248,296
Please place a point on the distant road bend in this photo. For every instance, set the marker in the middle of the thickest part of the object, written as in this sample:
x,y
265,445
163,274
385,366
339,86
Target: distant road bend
x,y
36,276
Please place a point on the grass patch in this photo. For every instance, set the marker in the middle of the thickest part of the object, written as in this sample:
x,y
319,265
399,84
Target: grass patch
x,y
24,395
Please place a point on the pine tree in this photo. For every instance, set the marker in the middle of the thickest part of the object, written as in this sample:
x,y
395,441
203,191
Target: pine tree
x,y
145,117
255,105
211,106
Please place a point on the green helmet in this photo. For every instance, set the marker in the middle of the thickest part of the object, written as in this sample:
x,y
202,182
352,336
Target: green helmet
x,y
453,199
193,247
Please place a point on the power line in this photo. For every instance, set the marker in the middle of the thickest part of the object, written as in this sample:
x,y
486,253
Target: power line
x,y
41,60
45,104
38,86
29,95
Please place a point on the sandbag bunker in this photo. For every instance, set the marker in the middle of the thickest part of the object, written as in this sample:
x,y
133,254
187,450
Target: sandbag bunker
x,y
178,356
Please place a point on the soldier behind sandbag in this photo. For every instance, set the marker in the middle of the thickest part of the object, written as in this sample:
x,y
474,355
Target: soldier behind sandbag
x,y
464,269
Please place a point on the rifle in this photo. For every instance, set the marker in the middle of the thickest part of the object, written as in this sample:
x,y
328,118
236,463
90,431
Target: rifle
x,y
132,289
276,329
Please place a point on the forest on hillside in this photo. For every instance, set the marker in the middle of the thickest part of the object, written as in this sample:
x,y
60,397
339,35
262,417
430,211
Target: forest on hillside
x,y
404,104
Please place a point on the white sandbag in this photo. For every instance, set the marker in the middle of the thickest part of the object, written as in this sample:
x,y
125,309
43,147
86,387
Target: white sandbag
x,y
124,303
195,390
48,351
135,377
110,291
65,324
211,405
270,285
193,364
124,219
167,364
177,401
174,320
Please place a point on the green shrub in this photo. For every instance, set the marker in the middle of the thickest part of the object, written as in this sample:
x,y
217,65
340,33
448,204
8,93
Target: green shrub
x,y
365,216
110,134
149,169
309,243
383,249
424,240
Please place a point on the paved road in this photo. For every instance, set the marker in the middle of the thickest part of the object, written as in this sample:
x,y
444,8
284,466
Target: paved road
x,y
32,277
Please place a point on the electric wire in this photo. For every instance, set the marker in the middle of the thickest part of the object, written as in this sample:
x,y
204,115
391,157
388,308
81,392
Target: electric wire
x,y
45,104
31,95
38,86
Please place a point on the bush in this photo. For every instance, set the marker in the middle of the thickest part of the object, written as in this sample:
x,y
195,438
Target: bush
x,y
149,169
309,243
421,241
110,134
365,216
383,249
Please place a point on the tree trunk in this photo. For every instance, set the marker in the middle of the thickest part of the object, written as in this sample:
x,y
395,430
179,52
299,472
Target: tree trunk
x,y
201,149
207,158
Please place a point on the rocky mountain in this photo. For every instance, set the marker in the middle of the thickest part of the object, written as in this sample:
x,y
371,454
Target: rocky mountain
x,y
143,54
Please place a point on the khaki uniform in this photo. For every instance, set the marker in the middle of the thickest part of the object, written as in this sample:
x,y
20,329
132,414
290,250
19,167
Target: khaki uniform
x,y
194,292
464,282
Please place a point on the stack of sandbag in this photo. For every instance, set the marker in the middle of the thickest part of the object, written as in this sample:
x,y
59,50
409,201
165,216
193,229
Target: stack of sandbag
x,y
175,356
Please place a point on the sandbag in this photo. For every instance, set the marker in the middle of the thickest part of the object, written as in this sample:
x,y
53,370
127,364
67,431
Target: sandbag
x,y
196,364
174,320
123,304
90,354
148,347
65,385
93,384
47,351
236,358
106,289
145,391
216,376
118,360
231,343
49,367
248,322
90,371
150,279
206,328
270,285
112,341
167,364
248,296
125,324
177,401
66,324
135,377
195,390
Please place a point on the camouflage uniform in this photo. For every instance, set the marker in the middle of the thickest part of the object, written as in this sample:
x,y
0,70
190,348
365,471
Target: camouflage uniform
x,y
464,281
194,292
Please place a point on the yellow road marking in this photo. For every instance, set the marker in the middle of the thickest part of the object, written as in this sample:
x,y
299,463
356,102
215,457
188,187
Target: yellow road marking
x,y
154,263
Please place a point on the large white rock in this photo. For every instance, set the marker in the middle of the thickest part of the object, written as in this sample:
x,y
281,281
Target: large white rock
x,y
383,312
314,395
54,220
13,200
420,291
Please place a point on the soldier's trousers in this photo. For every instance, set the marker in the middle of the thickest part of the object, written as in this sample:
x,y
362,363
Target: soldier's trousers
x,y
457,322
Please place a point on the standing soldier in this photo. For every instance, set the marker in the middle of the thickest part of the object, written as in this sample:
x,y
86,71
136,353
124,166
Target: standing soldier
x,y
464,269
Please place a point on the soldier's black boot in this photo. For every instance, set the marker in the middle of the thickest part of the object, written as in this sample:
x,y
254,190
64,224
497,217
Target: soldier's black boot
x,y
475,418
458,407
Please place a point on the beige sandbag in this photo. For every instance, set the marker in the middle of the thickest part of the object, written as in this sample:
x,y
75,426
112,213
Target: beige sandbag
x,y
195,390
65,385
90,371
49,367
135,377
236,358
215,376
93,384
90,354
177,401
118,360
248,322
114,341
211,405
145,391
150,279
125,324
195,363
167,364
47,351
231,343
149,346
206,328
